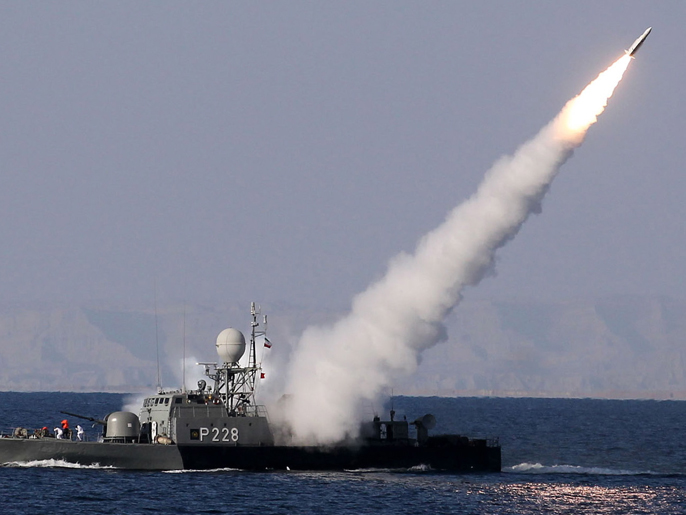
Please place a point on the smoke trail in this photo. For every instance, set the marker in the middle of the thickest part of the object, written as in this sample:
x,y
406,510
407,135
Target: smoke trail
x,y
337,368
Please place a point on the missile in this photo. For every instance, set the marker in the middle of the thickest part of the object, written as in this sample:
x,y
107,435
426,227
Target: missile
x,y
639,41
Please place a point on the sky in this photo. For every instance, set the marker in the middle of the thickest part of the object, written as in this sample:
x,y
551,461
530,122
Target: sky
x,y
285,152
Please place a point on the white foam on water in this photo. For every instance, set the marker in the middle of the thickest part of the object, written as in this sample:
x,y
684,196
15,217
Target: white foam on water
x,y
538,468
193,471
421,468
53,464
415,468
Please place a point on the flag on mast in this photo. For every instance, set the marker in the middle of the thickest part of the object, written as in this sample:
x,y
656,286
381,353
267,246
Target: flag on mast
x,y
267,343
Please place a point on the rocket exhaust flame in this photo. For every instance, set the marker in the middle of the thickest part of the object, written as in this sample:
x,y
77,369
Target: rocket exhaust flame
x,y
582,111
336,369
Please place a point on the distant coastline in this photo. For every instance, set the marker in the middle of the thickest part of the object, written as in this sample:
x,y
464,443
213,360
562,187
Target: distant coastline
x,y
652,395
626,396
613,348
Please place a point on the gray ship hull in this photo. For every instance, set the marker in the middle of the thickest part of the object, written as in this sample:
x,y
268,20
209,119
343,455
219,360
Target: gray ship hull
x,y
118,455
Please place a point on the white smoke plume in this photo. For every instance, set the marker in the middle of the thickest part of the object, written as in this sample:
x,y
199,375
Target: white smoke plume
x,y
133,402
338,368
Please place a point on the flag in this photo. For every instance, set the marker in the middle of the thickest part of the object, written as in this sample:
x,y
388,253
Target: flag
x,y
262,375
267,343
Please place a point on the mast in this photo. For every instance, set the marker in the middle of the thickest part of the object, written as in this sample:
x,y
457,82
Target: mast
x,y
157,343
183,379
233,383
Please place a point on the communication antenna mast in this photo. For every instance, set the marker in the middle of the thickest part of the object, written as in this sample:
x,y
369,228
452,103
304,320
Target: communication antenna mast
x,y
233,382
183,363
392,410
157,342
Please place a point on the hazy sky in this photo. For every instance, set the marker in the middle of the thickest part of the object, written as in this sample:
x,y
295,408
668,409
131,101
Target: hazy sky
x,y
284,151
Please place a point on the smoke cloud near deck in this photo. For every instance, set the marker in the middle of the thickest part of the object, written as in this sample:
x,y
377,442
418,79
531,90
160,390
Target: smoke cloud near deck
x,y
336,369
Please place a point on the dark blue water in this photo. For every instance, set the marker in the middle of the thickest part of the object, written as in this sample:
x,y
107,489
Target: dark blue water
x,y
559,456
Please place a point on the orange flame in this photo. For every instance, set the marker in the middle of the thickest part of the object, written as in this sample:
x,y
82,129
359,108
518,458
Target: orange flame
x,y
582,111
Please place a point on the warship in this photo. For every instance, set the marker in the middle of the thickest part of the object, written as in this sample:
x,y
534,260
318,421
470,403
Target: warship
x,y
219,425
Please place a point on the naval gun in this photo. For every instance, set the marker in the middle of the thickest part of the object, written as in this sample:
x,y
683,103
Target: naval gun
x,y
118,426
91,419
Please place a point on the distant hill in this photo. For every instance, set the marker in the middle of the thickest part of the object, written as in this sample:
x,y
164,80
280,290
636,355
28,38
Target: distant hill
x,y
620,347
614,347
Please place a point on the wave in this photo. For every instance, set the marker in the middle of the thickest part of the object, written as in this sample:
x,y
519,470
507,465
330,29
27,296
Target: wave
x,y
53,464
537,468
414,469
186,471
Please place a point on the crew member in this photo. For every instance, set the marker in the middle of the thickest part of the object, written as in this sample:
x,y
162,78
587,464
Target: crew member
x,y
80,433
58,433
66,430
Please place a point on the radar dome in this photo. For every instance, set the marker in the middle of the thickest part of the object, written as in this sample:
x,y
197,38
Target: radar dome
x,y
230,345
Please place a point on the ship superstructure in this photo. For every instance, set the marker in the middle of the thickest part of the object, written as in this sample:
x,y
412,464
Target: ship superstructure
x,y
224,411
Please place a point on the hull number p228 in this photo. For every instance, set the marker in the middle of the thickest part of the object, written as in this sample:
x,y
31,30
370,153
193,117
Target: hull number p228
x,y
215,434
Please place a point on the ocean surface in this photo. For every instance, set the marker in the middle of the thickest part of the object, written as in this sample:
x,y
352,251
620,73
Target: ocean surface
x,y
559,456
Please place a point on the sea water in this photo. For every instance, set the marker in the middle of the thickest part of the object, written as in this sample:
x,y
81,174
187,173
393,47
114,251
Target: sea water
x,y
559,456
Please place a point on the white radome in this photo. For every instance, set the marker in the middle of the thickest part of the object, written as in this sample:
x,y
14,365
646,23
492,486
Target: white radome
x,y
230,345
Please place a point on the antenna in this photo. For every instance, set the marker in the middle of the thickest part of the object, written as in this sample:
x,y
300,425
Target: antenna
x,y
392,410
183,363
252,354
157,342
